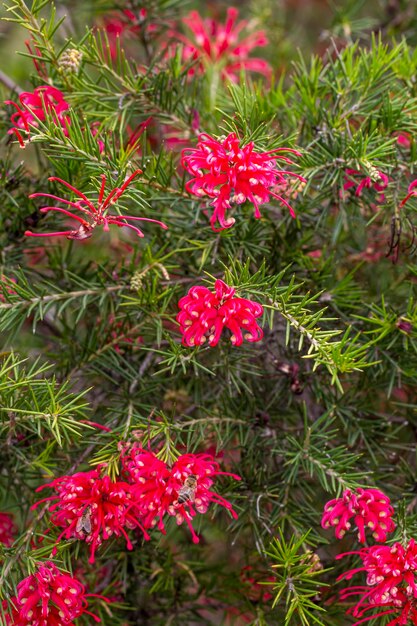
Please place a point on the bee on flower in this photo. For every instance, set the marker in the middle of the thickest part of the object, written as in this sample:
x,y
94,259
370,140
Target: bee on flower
x,y
180,491
92,508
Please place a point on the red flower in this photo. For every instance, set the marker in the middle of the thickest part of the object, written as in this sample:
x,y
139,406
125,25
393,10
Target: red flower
x,y
95,215
370,509
37,56
7,529
48,598
204,314
181,491
404,140
33,108
254,584
213,43
93,508
126,22
412,192
135,134
119,335
379,182
391,583
117,24
236,174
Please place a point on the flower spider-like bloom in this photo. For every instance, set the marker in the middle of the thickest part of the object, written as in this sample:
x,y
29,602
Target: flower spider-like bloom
x,y
181,491
33,108
379,182
231,173
49,597
412,193
391,584
128,23
213,43
93,508
369,508
203,315
91,215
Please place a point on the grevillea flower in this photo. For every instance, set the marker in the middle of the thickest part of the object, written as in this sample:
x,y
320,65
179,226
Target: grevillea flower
x,y
118,334
232,174
48,597
33,108
369,508
91,215
7,529
204,314
37,56
211,43
404,140
391,583
379,181
412,192
181,491
135,134
126,23
254,584
93,508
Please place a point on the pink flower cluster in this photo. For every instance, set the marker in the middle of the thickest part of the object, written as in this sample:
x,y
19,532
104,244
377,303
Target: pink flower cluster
x,y
7,529
211,42
369,509
233,174
34,107
391,577
93,508
204,315
379,183
181,491
48,597
391,571
91,215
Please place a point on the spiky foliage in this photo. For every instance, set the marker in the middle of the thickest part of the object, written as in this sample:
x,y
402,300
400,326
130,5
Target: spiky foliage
x,y
92,359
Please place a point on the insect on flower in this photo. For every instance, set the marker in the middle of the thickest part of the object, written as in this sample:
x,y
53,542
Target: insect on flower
x,y
187,492
92,508
91,215
180,491
84,522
